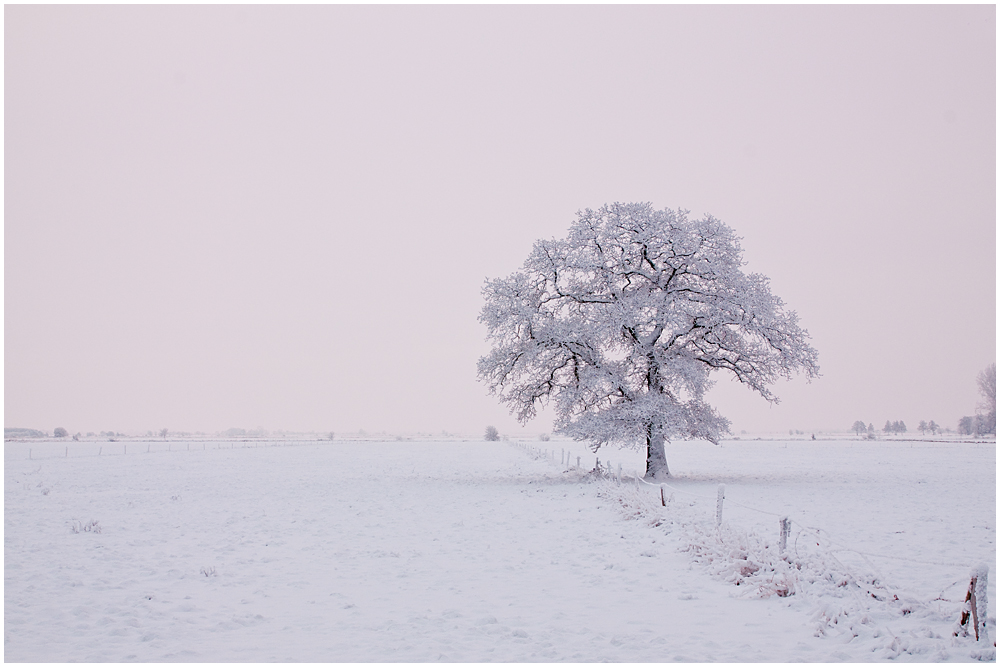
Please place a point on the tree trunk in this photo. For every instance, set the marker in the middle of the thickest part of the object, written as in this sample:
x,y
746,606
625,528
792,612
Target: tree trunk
x,y
656,456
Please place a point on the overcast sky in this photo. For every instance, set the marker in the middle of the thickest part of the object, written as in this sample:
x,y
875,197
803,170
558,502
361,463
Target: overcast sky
x,y
282,217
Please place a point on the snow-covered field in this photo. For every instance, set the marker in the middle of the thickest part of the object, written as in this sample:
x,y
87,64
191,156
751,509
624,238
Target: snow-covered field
x,y
475,551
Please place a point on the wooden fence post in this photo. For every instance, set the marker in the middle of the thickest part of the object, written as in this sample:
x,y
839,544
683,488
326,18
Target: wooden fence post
x,y
718,504
982,579
785,526
976,603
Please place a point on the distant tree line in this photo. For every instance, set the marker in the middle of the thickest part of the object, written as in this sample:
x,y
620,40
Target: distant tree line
x,y
894,427
860,428
984,422
931,426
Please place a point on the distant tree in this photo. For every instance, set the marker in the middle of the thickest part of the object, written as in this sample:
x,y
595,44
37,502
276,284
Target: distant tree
x,y
966,425
987,381
544,437
899,426
922,427
989,423
888,427
982,426
621,324
163,433
859,427
932,427
60,432
871,431
492,434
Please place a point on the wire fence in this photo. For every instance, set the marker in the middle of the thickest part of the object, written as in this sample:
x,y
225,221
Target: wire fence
x,y
608,471
17,450
969,608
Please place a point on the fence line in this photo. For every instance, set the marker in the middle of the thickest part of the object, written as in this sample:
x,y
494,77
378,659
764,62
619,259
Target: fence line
x,y
607,472
84,448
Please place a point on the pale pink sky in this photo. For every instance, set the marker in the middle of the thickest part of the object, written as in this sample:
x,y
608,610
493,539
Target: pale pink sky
x,y
282,216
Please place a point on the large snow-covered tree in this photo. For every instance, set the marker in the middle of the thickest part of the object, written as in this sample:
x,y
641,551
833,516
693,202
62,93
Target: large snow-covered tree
x,y
621,324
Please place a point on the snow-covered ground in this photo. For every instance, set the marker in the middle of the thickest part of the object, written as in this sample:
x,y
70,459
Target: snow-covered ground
x,y
474,551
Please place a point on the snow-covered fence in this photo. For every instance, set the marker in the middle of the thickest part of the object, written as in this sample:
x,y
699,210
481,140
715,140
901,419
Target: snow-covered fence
x,y
807,566
787,572
39,450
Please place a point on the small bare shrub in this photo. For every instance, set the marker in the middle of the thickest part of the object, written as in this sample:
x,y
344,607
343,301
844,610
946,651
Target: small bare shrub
x,y
89,527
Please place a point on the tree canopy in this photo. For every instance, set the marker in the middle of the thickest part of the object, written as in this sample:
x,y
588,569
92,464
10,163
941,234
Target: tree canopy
x,y
621,324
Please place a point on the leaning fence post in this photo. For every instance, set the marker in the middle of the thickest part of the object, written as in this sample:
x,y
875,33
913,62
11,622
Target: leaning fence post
x,y
619,473
976,602
981,606
578,463
786,527
663,497
718,504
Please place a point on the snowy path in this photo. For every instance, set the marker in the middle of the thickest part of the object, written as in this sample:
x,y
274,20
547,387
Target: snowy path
x,y
376,552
